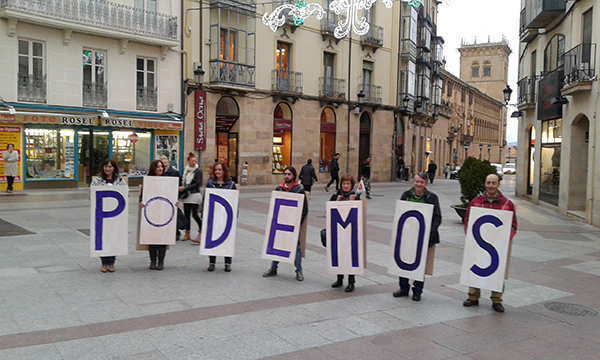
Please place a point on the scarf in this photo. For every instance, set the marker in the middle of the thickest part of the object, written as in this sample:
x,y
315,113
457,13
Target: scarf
x,y
284,186
188,174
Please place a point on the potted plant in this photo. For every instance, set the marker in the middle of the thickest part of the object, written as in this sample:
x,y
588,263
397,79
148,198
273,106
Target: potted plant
x,y
471,177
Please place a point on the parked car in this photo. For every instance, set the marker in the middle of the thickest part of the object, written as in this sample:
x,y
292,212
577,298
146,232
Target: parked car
x,y
499,170
510,168
454,173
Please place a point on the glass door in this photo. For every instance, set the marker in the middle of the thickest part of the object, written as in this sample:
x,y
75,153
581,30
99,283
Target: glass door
x,y
93,149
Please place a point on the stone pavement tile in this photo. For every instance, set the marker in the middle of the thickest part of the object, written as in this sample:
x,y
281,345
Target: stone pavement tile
x,y
361,326
309,354
151,355
45,352
127,343
230,348
536,347
502,352
302,336
325,309
437,331
385,321
187,353
484,340
12,341
401,342
266,342
333,330
83,349
358,349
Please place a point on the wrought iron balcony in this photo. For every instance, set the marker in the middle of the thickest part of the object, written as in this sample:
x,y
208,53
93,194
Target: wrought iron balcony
x,y
228,73
97,14
332,87
32,88
286,81
526,88
147,98
372,93
95,94
579,65
373,37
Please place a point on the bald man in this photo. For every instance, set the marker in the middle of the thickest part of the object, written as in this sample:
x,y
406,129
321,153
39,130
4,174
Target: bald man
x,y
491,198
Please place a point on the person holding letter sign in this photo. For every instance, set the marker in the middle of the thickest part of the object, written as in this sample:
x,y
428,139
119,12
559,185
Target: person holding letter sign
x,y
108,176
191,180
219,179
492,198
419,193
346,193
291,185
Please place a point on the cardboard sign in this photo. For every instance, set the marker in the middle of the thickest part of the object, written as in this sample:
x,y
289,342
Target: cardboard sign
x,y
486,248
410,239
219,222
159,215
108,220
345,237
283,226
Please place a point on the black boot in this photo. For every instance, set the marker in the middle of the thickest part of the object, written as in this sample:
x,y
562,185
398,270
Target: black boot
x,y
350,287
339,282
161,258
153,254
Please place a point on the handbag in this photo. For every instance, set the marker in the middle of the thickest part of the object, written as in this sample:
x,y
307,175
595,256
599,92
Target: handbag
x,y
182,221
184,194
324,237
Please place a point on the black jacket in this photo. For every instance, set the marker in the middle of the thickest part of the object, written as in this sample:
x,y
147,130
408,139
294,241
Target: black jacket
x,y
365,170
334,166
345,196
298,189
307,174
172,172
430,198
432,169
213,184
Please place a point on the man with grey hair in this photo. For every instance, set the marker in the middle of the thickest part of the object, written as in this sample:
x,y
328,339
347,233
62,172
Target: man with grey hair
x,y
169,170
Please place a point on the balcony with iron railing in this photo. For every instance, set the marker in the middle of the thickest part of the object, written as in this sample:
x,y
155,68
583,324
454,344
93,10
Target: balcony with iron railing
x,y
526,92
328,25
332,88
147,98
231,74
373,38
372,93
289,82
32,88
95,94
580,69
100,17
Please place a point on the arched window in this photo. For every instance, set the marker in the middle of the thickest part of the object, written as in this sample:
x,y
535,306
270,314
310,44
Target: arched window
x,y
475,69
487,68
327,145
227,130
282,137
553,53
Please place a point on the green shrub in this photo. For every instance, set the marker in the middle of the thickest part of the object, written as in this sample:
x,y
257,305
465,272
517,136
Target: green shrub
x,y
471,177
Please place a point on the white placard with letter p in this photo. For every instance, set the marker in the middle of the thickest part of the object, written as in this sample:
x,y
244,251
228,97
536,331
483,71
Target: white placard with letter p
x,y
219,222
283,226
486,248
109,220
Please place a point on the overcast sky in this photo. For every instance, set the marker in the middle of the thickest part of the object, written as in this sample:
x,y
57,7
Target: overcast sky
x,y
471,19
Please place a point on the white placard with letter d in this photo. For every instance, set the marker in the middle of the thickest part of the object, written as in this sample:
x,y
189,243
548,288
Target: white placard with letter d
x,y
159,215
219,221
486,248
410,239
283,226
109,220
345,237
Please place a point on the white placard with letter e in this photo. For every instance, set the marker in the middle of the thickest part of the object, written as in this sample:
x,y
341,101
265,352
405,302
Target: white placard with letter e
x,y
283,226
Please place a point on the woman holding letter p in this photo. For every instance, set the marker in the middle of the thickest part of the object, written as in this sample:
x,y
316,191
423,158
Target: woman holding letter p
x,y
419,193
219,179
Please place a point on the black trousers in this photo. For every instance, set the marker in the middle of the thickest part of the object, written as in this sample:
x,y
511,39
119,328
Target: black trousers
x,y
9,182
335,177
213,259
307,187
192,209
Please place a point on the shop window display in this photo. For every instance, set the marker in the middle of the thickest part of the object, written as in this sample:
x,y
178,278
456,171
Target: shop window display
x,y
282,138
550,161
327,143
50,153
131,150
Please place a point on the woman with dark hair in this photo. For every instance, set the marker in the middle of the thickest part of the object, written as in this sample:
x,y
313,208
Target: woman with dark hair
x,y
220,179
419,193
157,168
345,193
191,179
108,176
10,158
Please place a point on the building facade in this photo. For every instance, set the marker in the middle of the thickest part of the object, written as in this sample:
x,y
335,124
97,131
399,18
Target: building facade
x,y
557,97
270,99
81,81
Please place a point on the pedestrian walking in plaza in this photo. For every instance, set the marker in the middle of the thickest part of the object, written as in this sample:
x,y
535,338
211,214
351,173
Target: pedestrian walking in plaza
x,y
291,185
189,194
401,165
108,176
156,252
492,198
446,170
365,176
307,175
334,170
345,193
170,171
431,170
419,193
10,158
220,179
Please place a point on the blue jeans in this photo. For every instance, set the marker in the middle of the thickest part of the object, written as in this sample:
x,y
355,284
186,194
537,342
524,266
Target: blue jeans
x,y
297,262
417,285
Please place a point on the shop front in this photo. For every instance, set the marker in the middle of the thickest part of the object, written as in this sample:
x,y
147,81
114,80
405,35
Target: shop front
x,y
66,151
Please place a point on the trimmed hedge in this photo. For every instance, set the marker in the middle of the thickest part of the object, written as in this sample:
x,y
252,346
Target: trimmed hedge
x,y
471,177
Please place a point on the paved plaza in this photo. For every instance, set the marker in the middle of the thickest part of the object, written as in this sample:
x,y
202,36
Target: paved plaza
x,y
56,304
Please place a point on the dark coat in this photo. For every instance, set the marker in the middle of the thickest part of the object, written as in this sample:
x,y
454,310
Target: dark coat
x,y
213,184
172,172
432,169
307,175
334,166
430,198
365,170
298,189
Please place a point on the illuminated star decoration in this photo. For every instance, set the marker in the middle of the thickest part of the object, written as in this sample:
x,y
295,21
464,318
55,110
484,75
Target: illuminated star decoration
x,y
349,9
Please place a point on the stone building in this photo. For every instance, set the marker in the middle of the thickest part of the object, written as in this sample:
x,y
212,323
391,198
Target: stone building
x,y
558,158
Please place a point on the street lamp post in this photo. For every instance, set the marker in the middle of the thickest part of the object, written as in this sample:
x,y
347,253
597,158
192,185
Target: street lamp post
x,y
466,150
489,153
500,154
480,149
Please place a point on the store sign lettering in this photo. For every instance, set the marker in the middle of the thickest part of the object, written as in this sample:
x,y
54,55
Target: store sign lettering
x,y
200,120
40,119
77,121
7,117
282,125
118,122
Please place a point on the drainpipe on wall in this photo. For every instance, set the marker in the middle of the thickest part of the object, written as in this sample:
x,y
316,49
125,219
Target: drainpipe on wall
x,y
592,141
